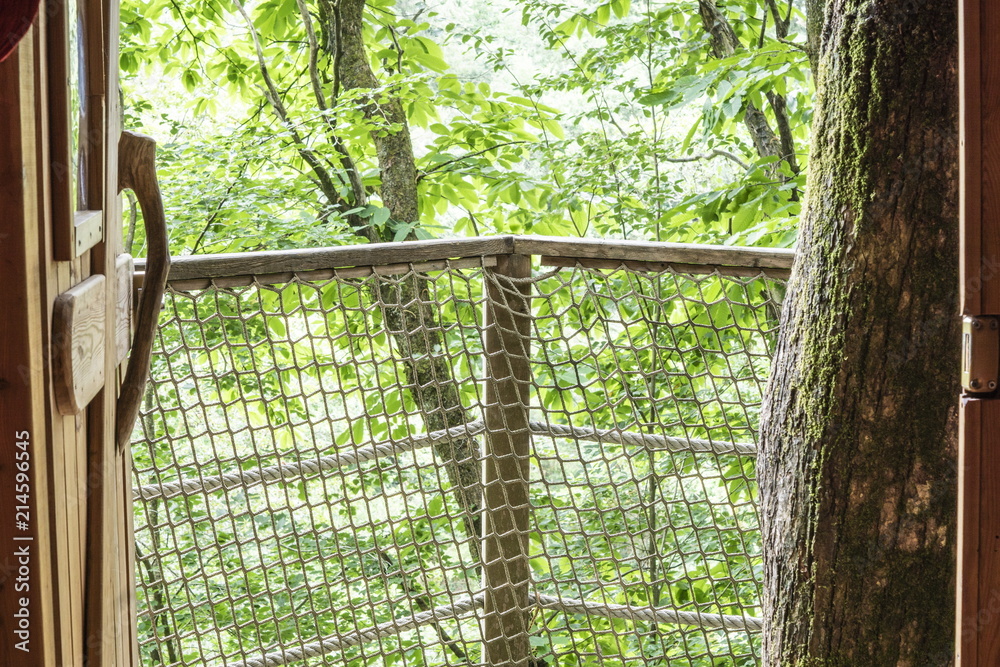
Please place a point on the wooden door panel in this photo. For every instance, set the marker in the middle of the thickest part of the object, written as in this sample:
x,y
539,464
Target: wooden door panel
x,y
80,598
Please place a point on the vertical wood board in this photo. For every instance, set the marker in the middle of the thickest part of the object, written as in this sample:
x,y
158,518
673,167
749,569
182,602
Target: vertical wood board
x,y
25,594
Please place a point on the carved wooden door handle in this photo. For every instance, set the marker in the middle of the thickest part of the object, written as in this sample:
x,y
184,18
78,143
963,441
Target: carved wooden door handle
x,y
137,172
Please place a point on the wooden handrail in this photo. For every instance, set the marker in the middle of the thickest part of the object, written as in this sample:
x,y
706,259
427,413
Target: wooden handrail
x,y
726,259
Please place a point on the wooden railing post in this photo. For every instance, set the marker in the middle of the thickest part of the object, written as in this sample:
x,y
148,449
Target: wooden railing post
x,y
505,469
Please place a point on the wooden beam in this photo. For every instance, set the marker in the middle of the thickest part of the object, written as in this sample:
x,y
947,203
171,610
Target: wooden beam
x,y
731,260
660,267
309,259
506,508
320,275
677,253
978,617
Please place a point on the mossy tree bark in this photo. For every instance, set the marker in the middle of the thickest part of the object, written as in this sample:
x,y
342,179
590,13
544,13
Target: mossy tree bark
x,y
857,465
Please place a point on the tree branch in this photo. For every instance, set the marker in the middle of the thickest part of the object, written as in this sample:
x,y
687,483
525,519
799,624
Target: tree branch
x,y
724,44
313,55
442,165
274,98
422,602
714,153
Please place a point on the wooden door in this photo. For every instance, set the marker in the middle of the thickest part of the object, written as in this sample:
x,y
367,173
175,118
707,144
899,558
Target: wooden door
x,y
66,592
978,598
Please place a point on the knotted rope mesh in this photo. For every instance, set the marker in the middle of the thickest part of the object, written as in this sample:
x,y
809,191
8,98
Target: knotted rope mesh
x,y
311,460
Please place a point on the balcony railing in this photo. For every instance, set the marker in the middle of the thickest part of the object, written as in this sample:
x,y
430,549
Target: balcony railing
x,y
503,451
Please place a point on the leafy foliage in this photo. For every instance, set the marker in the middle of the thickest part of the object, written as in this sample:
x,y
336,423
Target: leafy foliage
x,y
612,140
634,127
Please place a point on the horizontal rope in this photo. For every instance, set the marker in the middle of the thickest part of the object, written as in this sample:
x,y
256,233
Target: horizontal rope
x,y
387,629
647,440
290,471
651,614
464,606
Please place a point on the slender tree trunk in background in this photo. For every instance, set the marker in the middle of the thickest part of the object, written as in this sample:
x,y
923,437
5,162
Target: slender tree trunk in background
x,y
857,464
815,11
411,312
397,166
724,44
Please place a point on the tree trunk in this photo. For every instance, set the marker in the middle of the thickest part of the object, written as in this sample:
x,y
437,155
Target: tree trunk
x,y
410,311
815,11
857,465
724,44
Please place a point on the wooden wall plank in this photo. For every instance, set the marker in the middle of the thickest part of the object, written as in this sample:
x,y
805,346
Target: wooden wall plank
x,y
55,278
123,310
60,123
989,99
26,593
966,617
970,200
110,598
978,610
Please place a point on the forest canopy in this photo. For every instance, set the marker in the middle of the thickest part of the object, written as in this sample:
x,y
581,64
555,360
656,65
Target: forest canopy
x,y
683,120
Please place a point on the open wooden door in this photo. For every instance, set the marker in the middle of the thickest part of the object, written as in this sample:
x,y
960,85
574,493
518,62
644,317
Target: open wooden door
x,y
978,613
66,576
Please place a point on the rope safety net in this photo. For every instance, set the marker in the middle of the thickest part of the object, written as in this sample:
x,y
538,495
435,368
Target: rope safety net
x,y
454,463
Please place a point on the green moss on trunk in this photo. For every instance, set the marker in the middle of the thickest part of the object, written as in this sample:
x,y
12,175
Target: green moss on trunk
x,y
857,470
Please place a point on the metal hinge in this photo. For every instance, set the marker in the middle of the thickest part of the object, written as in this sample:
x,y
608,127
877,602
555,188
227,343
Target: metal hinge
x,y
980,353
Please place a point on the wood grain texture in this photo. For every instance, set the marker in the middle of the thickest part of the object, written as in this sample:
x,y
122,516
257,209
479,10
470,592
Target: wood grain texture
x,y
22,365
682,253
110,633
296,261
78,333
320,275
137,171
660,267
989,158
124,267
59,122
88,230
55,279
969,485
978,599
505,468
970,157
730,260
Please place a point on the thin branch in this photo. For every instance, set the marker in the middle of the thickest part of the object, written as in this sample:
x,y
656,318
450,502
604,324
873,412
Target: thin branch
x,y
714,153
313,54
330,190
423,603
442,165
794,45
218,207
194,38
338,52
763,30
346,161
